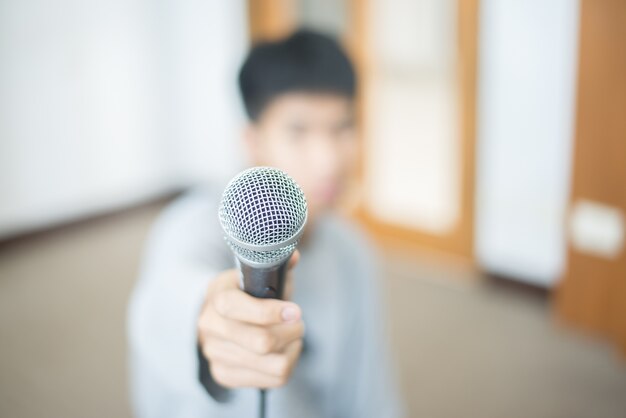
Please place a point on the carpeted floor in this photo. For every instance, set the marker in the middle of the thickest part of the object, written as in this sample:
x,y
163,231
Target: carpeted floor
x,y
465,348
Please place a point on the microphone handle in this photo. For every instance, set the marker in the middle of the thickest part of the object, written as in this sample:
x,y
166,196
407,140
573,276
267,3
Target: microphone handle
x,y
267,283
264,282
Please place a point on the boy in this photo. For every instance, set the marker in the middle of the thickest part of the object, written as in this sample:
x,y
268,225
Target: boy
x,y
199,344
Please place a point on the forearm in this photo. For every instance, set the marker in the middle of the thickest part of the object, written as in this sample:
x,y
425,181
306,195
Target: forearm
x,y
162,322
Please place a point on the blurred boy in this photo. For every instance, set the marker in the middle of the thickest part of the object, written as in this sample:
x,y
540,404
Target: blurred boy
x,y
199,344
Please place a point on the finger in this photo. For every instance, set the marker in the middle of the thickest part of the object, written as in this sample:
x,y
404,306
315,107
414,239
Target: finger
x,y
238,305
228,279
275,364
285,334
293,260
293,350
236,377
288,290
261,340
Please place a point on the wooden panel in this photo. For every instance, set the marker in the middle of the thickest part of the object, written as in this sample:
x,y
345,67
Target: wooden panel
x,y
592,294
271,19
460,240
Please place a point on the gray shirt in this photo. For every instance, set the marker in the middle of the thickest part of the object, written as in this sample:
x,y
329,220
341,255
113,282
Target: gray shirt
x,y
344,371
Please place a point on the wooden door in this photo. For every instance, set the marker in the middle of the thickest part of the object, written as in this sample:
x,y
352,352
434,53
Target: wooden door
x,y
592,294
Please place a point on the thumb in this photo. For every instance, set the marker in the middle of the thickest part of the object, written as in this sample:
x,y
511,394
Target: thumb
x,y
293,260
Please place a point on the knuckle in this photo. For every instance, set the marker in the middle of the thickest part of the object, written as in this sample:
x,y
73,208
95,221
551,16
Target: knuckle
x,y
207,325
264,342
208,349
299,345
201,323
281,381
224,377
219,374
273,383
225,277
300,329
221,304
282,366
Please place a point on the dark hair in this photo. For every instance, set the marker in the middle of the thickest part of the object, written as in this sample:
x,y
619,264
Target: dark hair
x,y
305,61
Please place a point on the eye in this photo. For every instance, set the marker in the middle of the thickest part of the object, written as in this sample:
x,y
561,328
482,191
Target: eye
x,y
344,129
297,131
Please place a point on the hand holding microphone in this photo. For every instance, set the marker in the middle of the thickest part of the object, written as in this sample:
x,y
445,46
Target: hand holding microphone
x,y
249,342
250,337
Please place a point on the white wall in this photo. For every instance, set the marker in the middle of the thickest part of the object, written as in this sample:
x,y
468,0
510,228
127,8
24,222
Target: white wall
x,y
527,74
107,103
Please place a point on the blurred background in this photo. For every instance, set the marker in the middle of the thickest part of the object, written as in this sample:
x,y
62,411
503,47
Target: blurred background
x,y
493,176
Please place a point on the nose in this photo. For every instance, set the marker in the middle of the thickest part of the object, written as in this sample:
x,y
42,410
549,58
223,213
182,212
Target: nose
x,y
326,156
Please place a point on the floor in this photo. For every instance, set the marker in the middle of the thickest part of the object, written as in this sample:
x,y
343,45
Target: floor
x,y
465,347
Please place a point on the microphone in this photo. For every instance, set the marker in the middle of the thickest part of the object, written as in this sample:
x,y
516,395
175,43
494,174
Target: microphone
x,y
263,213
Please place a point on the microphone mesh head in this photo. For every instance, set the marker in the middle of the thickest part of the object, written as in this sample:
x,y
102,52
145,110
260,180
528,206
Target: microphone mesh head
x,y
263,212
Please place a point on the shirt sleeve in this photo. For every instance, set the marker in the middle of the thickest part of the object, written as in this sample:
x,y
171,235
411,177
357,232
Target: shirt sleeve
x,y
217,392
184,252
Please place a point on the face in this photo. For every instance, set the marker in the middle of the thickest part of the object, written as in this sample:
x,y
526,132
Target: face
x,y
311,137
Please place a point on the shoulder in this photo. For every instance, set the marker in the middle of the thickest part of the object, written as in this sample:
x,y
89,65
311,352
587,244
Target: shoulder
x,y
196,208
351,240
358,259
188,225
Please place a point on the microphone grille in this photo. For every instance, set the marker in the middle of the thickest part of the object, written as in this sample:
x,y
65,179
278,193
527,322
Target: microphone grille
x,y
263,258
263,209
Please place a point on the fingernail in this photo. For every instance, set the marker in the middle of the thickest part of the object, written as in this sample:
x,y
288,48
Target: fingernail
x,y
289,313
